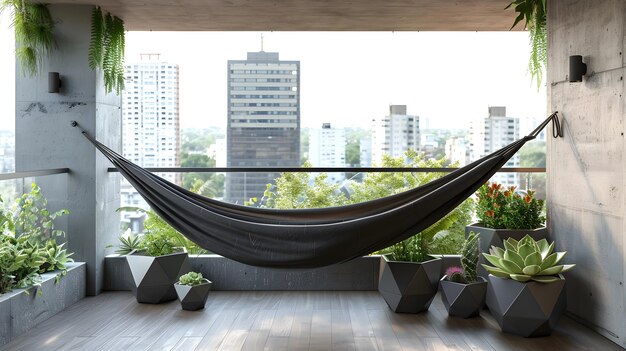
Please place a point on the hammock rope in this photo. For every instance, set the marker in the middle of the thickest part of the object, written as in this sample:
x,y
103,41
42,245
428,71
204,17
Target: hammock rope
x,y
308,238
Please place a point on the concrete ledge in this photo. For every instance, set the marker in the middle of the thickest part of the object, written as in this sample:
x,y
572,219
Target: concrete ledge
x,y
226,274
20,311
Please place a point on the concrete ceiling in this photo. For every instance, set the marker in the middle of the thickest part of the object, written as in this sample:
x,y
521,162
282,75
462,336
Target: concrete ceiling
x,y
308,15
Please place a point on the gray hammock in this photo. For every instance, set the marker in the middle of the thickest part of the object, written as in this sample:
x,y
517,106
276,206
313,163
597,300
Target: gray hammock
x,y
308,238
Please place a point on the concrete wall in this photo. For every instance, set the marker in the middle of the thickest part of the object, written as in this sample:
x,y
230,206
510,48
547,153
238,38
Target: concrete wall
x,y
586,168
44,138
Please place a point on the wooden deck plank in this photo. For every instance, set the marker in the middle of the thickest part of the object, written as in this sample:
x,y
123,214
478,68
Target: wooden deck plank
x,y
308,320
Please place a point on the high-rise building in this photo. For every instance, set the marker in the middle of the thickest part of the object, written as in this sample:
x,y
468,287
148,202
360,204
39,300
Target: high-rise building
x,y
492,133
365,152
327,148
150,119
456,151
394,134
263,121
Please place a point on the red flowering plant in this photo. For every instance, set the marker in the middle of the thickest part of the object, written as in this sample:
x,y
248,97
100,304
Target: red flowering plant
x,y
499,207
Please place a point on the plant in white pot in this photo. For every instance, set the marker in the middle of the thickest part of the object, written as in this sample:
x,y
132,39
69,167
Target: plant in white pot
x,y
409,277
504,212
526,292
192,290
462,290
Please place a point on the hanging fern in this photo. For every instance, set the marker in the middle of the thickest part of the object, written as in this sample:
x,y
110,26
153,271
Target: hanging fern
x,y
534,13
34,33
106,49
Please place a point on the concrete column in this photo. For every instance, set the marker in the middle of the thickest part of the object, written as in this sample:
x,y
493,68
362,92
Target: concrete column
x,y
44,138
586,168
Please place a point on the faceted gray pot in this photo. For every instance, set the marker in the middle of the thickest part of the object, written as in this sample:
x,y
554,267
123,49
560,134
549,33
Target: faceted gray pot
x,y
495,237
526,309
408,287
193,298
463,300
154,277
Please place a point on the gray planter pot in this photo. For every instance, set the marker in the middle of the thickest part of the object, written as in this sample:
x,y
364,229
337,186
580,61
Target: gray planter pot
x,y
154,277
463,300
409,287
193,298
526,309
495,237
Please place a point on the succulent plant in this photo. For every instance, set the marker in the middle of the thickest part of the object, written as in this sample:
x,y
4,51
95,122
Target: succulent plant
x,y
526,260
455,274
191,279
469,257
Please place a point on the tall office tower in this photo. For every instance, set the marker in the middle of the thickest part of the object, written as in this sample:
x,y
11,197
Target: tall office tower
x,y
394,134
327,148
365,152
490,134
150,120
263,121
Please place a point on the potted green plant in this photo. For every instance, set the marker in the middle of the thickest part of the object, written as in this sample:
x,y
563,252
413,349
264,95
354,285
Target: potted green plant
x,y
192,290
526,292
409,277
504,212
462,290
155,267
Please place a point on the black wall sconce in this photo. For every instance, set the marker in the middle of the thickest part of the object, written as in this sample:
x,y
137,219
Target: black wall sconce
x,y
54,82
577,69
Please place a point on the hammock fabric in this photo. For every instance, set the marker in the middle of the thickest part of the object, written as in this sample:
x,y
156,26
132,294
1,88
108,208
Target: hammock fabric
x,y
310,238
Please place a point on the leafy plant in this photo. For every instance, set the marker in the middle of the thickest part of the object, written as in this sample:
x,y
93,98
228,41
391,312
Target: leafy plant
x,y
155,244
128,244
34,29
28,260
446,243
192,279
526,260
56,257
106,49
534,13
31,216
503,208
413,249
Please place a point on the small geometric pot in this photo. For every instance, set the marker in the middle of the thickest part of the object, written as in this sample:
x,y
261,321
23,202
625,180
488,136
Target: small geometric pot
x,y
154,277
463,300
408,287
526,309
495,237
193,298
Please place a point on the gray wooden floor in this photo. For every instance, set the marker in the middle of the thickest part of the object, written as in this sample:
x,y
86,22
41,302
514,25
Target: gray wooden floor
x,y
282,321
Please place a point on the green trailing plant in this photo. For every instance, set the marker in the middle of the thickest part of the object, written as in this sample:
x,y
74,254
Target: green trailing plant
x,y
32,217
192,279
534,14
526,260
34,33
498,207
106,49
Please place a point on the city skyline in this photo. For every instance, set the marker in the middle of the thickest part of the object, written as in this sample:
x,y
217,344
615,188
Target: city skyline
x,y
447,78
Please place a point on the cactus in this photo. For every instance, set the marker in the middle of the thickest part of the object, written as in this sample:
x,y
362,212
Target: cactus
x,y
455,274
526,260
469,257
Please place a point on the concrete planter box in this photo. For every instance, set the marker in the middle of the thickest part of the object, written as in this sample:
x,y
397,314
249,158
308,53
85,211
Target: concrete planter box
x,y
463,300
526,309
193,298
409,287
495,237
359,274
20,312
154,277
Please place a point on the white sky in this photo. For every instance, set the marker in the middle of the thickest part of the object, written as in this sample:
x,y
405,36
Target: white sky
x,y
347,78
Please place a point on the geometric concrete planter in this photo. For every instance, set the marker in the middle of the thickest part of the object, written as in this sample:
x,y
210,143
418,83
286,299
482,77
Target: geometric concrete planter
x,y
463,300
409,287
21,312
495,237
526,309
154,277
193,298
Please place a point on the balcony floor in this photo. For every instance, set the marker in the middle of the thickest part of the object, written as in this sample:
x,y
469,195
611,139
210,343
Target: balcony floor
x,y
282,321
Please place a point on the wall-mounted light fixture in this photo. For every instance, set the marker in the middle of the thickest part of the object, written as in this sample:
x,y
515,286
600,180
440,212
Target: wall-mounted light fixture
x,y
577,69
54,82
